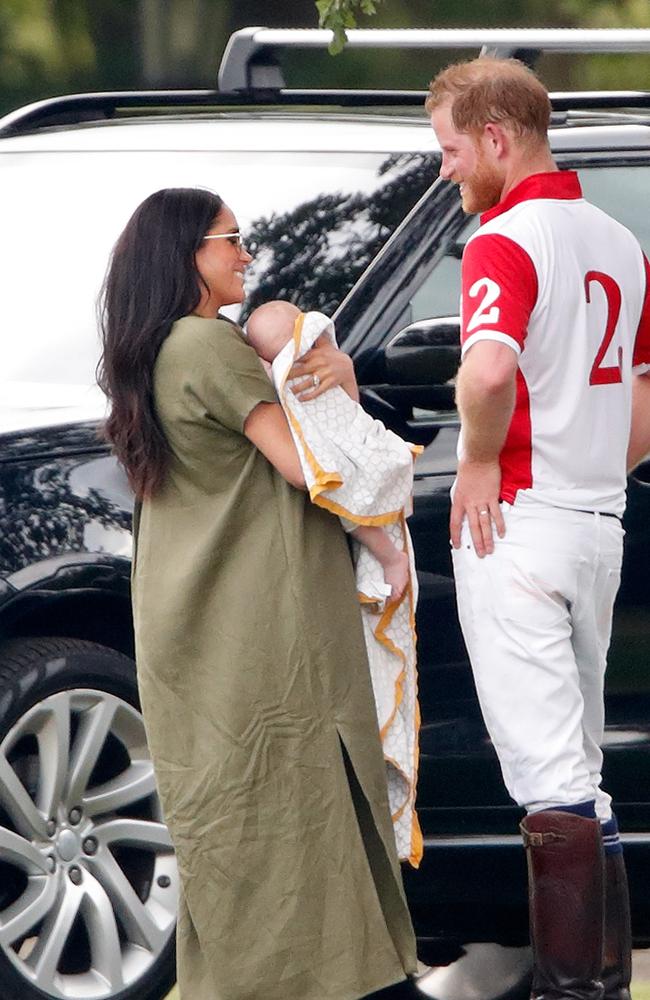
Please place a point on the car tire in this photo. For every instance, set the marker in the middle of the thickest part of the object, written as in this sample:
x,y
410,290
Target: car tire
x,y
88,879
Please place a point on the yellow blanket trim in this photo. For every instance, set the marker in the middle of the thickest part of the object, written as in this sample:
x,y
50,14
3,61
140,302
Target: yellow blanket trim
x,y
324,480
332,481
377,519
297,333
370,603
417,841
417,844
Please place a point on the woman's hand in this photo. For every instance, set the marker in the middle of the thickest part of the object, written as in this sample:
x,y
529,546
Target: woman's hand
x,y
323,367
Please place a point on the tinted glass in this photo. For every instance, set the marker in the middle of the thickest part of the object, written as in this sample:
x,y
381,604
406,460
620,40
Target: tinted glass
x,y
622,192
313,221
619,191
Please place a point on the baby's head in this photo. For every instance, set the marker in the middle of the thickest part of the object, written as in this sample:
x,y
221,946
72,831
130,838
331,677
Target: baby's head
x,y
270,327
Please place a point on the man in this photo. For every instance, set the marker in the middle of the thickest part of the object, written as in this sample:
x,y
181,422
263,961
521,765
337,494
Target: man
x,y
555,333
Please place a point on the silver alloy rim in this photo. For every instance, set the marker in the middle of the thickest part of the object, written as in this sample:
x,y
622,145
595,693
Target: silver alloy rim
x,y
88,878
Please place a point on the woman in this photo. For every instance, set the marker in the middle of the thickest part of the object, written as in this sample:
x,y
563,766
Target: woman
x,y
250,653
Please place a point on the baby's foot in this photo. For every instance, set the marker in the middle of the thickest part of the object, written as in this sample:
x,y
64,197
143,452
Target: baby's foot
x,y
396,573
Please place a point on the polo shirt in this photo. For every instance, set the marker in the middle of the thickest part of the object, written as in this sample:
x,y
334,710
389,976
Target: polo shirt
x,y
568,289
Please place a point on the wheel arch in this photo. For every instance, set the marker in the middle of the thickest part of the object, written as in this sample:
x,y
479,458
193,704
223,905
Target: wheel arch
x,y
98,615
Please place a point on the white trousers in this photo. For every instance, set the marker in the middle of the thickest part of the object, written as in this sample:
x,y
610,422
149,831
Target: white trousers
x,y
536,617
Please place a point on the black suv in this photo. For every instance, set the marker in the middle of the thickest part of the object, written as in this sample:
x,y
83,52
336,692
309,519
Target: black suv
x,y
337,196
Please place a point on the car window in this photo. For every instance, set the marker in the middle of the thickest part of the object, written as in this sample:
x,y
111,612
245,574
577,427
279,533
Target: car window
x,y
439,294
619,191
313,221
623,193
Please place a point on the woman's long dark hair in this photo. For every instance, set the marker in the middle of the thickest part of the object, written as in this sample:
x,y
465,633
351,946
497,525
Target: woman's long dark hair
x,y
152,281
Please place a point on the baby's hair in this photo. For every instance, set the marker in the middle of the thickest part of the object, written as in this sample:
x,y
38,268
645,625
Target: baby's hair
x,y
270,327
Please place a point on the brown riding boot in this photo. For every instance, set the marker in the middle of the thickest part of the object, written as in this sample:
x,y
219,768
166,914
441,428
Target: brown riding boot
x,y
617,950
566,900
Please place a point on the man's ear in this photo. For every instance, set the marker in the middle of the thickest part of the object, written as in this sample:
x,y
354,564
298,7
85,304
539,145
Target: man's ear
x,y
497,139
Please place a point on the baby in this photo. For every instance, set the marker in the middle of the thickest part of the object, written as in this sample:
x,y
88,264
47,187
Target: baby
x,y
358,469
269,329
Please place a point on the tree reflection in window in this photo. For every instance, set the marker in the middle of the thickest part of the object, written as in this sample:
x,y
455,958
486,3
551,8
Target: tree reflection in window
x,y
43,514
314,254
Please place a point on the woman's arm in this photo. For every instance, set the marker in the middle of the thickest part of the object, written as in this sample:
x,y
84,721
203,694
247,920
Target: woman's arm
x,y
333,367
267,428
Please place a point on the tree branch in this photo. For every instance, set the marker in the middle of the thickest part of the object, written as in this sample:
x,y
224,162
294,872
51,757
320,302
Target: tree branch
x,y
338,15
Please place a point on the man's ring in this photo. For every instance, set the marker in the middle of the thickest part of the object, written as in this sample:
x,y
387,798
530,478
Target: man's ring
x,y
483,512
316,381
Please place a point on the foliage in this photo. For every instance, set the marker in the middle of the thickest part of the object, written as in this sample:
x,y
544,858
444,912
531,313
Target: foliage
x,y
339,15
619,72
49,47
57,46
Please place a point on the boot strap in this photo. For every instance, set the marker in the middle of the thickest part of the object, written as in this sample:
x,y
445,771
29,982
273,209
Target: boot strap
x,y
533,839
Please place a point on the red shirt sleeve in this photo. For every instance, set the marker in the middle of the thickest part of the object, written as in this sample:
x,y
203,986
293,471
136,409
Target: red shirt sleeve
x,y
499,291
641,354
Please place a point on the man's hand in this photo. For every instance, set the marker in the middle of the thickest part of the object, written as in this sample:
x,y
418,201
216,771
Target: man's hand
x,y
476,497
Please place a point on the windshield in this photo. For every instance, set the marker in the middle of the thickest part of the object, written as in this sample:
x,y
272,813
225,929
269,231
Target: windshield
x,y
312,220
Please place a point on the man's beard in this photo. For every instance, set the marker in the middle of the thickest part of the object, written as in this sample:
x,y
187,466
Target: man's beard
x,y
483,190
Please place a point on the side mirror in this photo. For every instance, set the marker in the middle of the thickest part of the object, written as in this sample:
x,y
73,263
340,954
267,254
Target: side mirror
x,y
424,353
409,385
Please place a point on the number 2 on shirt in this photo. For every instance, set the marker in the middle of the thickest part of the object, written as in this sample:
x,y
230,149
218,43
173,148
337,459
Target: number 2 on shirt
x,y
606,374
487,312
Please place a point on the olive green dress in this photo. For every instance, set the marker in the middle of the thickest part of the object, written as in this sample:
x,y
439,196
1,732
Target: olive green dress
x,y
258,706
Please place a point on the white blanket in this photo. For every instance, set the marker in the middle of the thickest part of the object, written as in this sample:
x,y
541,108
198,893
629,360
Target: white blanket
x,y
356,468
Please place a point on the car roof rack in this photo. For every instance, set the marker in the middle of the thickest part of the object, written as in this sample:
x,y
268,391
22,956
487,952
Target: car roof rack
x,y
73,109
250,74
76,109
250,60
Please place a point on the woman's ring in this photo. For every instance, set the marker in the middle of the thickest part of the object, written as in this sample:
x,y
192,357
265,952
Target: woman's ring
x,y
315,380
483,512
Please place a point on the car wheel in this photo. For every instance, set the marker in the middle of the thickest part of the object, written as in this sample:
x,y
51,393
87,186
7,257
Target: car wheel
x,y
88,879
483,972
